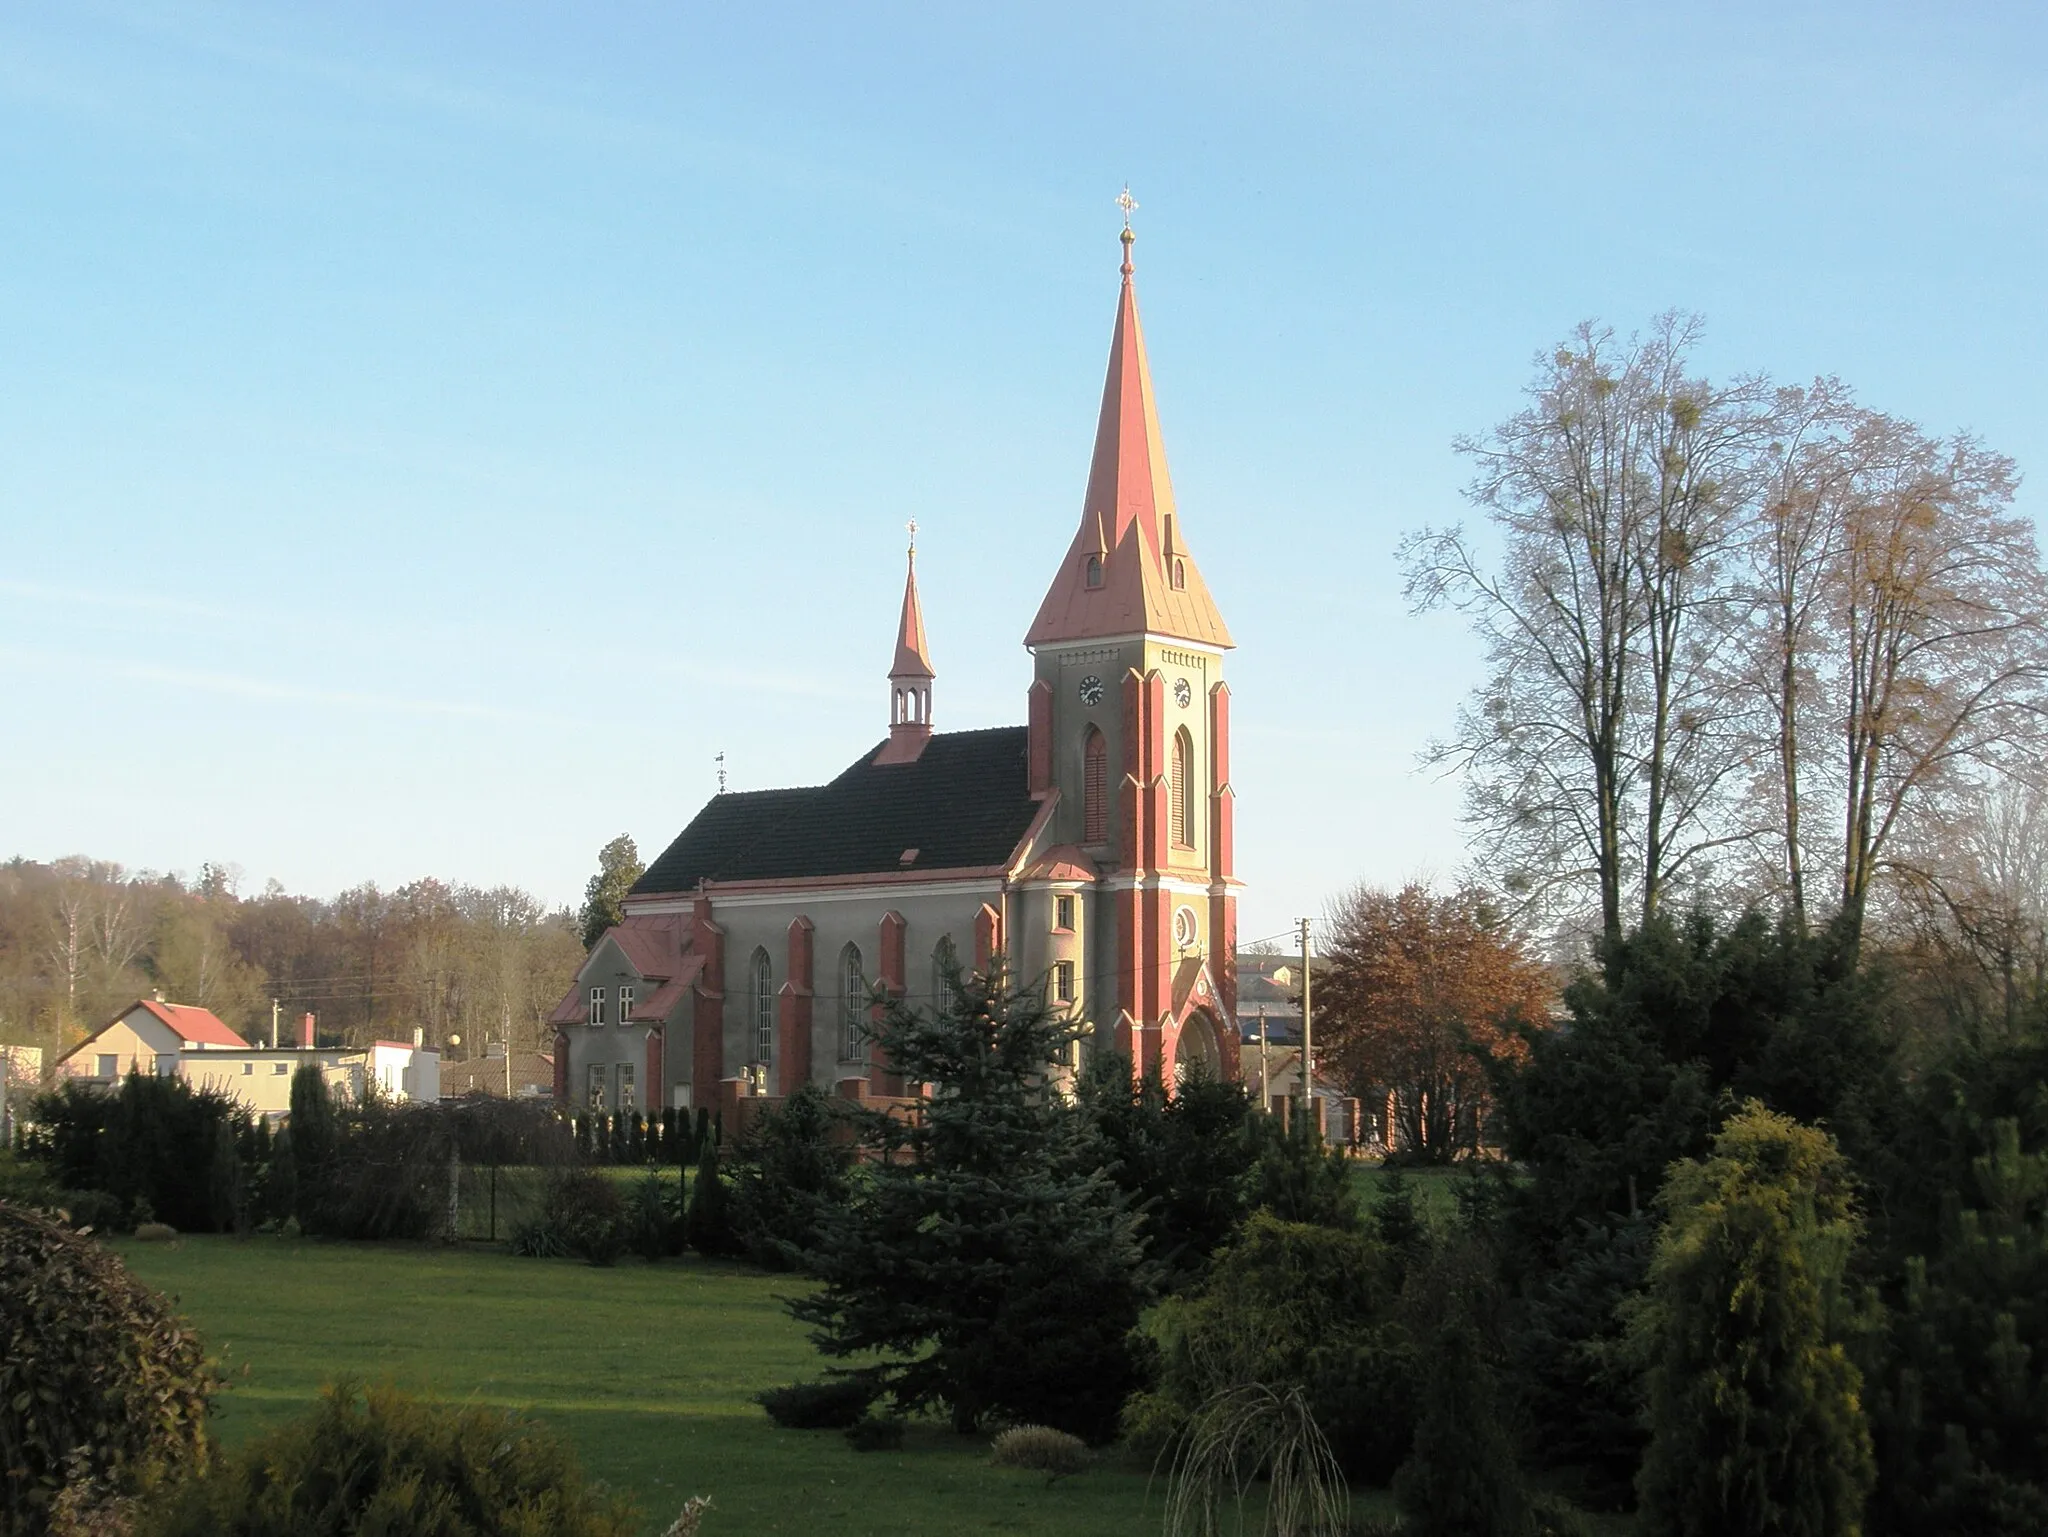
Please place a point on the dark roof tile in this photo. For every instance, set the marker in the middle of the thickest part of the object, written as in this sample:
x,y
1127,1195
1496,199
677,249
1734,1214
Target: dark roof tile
x,y
965,801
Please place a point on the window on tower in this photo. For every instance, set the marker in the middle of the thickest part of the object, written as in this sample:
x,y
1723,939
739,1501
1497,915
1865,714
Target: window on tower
x,y
1094,570
1063,913
1183,811
1063,982
1094,788
1180,574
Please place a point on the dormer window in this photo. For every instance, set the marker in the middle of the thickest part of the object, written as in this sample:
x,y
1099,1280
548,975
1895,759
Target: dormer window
x,y
1180,574
1094,570
597,1005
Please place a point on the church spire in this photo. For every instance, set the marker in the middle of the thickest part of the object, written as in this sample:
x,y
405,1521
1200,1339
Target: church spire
x,y
1128,570
910,675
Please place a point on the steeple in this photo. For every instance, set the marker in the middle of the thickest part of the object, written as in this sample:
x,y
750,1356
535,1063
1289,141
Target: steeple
x,y
1128,570
910,676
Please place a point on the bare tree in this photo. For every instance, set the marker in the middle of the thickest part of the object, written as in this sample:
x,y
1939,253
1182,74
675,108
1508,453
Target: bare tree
x,y
1937,634
1598,749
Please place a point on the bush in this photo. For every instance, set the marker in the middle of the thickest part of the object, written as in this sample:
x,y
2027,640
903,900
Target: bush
x,y
383,1462
875,1433
153,1140
1290,1307
1039,1449
834,1404
100,1382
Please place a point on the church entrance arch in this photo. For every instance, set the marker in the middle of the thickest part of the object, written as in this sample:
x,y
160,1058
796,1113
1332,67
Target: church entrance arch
x,y
1199,1049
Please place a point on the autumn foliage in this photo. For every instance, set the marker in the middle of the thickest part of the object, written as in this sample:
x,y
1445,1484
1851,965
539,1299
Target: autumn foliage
x,y
1416,981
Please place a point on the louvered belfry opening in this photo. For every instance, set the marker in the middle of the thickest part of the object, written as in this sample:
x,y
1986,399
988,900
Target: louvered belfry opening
x,y
1095,789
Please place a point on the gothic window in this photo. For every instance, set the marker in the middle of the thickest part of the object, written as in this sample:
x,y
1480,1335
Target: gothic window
x,y
1094,570
1180,574
853,1008
945,963
1183,810
764,1008
597,1005
1094,788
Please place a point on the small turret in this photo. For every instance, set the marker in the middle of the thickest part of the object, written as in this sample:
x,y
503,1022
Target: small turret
x,y
910,677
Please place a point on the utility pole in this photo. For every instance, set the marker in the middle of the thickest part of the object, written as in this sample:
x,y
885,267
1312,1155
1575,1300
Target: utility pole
x,y
1308,1049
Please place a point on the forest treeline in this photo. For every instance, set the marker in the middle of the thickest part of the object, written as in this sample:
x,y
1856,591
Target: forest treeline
x,y
81,938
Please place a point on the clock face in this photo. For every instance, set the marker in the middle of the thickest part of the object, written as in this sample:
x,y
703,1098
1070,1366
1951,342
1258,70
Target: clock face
x,y
1091,690
1182,693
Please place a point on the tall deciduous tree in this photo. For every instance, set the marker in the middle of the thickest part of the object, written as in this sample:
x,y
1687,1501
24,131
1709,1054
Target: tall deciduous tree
x,y
1416,981
604,899
1757,1423
1596,749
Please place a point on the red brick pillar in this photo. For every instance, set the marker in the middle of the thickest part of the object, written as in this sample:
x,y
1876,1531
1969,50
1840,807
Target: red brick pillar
x,y
894,936
793,1023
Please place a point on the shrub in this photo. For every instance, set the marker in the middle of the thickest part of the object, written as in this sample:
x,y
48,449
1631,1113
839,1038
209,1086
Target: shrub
x,y
154,1140
383,1462
834,1404
154,1232
875,1433
100,1382
1039,1449
653,1230
1290,1308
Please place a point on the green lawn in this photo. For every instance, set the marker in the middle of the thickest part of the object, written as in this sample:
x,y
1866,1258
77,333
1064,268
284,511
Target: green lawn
x,y
650,1370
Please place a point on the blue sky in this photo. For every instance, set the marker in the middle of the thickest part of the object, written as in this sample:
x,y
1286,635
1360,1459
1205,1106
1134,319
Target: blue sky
x,y
429,433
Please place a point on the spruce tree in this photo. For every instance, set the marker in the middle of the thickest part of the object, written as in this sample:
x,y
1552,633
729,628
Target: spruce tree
x,y
1756,1423
313,1137
711,1229
989,1266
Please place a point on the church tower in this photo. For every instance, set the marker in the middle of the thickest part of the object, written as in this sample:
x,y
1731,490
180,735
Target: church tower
x,y
1130,735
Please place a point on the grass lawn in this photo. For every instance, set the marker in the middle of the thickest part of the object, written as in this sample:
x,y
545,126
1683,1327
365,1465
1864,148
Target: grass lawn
x,y
649,1369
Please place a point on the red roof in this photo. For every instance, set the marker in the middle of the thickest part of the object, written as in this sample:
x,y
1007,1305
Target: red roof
x,y
913,655
195,1026
1145,580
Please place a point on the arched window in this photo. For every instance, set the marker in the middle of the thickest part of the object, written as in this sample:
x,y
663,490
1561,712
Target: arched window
x,y
853,1008
1180,574
1094,570
1094,788
945,966
764,1008
1183,812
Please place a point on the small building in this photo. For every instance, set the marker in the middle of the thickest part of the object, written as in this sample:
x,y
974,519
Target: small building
x,y
179,1040
149,1037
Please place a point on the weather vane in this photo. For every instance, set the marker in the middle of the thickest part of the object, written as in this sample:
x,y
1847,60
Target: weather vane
x,y
912,526
1127,203
720,761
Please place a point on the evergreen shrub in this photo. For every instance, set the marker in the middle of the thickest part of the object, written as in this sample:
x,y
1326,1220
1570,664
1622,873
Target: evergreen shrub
x,y
834,1404
382,1462
101,1384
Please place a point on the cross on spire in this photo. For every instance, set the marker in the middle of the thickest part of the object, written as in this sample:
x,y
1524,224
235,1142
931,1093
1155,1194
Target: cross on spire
x,y
1127,203
912,526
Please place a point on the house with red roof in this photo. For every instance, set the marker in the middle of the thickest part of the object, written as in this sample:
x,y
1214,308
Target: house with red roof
x,y
149,1036
181,1040
1089,846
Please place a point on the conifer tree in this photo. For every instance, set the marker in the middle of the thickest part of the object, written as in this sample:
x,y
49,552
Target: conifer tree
x,y
711,1228
313,1136
990,1266
1756,1422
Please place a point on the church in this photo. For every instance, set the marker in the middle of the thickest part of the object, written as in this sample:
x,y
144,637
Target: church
x,y
1089,847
